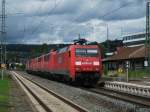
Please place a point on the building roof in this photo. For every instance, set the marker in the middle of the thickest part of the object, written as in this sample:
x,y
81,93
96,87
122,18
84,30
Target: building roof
x,y
124,53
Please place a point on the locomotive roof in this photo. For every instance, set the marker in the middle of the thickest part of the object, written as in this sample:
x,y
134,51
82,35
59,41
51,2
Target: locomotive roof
x,y
86,46
66,48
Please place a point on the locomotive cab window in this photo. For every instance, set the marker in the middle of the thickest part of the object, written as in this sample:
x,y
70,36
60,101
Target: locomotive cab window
x,y
92,52
86,52
80,52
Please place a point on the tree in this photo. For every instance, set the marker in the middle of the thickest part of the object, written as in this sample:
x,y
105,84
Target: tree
x,y
44,48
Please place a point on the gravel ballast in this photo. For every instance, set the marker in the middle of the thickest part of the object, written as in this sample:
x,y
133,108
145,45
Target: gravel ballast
x,y
91,101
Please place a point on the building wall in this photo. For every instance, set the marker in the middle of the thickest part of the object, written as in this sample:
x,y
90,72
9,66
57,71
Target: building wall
x,y
134,64
134,40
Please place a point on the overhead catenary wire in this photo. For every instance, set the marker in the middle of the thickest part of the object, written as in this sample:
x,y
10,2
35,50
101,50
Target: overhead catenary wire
x,y
108,13
75,19
24,28
115,10
37,27
43,20
40,22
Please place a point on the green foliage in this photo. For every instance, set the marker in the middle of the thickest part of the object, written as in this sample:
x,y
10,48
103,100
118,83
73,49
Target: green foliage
x,y
138,73
39,50
103,50
44,48
111,45
20,67
105,71
4,93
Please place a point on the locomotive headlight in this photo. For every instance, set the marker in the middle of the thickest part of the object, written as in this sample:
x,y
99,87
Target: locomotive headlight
x,y
78,63
96,63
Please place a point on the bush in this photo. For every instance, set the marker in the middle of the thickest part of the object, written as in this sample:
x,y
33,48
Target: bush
x,y
20,67
105,71
138,73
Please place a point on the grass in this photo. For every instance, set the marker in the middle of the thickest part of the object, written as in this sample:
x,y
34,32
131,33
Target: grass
x,y
133,74
4,93
138,73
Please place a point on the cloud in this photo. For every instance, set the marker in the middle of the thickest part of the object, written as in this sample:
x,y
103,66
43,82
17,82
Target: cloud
x,y
57,21
113,10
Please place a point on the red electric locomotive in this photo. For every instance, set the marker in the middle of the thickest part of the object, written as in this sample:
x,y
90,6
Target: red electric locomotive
x,y
76,63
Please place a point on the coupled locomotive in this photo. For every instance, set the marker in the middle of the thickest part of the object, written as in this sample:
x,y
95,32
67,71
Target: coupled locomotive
x,y
80,63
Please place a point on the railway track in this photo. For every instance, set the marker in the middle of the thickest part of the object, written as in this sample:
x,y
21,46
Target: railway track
x,y
116,93
128,97
43,99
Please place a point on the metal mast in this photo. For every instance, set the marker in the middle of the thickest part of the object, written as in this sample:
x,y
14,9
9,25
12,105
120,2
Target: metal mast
x,y
107,38
147,41
3,33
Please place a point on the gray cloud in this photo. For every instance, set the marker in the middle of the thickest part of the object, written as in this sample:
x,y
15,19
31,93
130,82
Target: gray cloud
x,y
56,21
114,10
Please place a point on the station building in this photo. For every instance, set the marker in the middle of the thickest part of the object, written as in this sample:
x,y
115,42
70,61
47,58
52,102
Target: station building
x,y
132,52
135,56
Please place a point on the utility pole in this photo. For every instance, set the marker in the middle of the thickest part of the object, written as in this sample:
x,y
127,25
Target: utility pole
x,y
107,38
79,36
121,31
3,36
107,50
147,41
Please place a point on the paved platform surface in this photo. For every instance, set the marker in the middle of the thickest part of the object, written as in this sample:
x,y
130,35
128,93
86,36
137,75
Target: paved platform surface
x,y
18,99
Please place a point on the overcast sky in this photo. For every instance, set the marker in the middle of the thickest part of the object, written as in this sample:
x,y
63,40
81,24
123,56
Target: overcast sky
x,y
58,21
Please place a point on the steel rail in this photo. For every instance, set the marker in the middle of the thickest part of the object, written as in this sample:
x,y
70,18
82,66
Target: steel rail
x,y
72,104
134,99
139,100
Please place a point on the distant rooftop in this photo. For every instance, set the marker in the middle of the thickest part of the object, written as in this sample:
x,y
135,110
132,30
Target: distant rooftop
x,y
124,53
